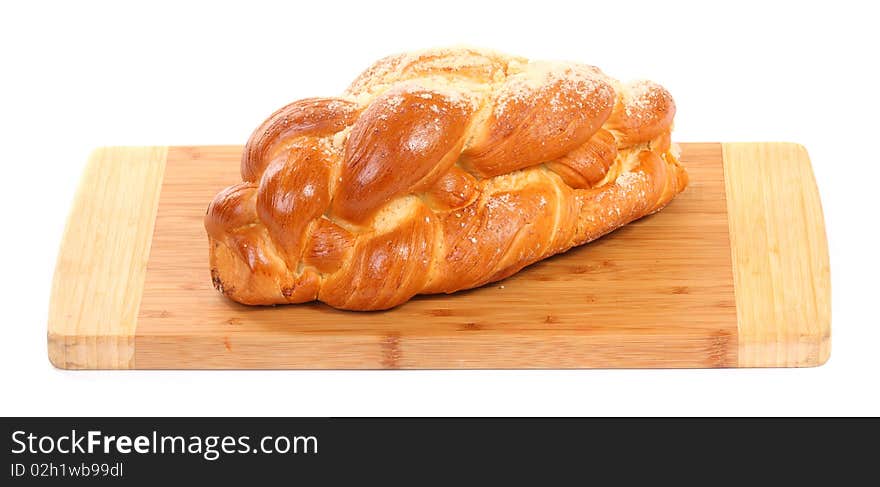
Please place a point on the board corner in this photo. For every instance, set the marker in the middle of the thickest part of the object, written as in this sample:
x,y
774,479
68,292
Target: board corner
x,y
102,256
780,255
79,352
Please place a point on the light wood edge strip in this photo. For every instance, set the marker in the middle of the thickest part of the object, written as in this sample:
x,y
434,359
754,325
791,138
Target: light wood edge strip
x,y
780,255
102,261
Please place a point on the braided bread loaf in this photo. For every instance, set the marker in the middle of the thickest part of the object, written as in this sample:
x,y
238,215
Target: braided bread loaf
x,y
438,171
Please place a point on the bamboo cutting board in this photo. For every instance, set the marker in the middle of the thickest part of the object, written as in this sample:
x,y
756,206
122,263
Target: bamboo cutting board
x,y
733,273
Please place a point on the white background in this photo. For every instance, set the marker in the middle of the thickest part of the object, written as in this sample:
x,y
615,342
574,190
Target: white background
x,y
78,75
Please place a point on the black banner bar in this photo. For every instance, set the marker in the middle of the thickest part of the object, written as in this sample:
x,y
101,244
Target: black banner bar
x,y
332,450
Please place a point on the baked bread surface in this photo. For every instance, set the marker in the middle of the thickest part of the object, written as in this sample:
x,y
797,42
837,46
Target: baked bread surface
x,y
437,171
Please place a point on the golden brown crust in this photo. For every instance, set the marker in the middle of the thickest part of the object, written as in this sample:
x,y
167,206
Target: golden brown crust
x,y
455,189
418,130
438,171
476,65
539,115
588,164
314,117
293,192
644,111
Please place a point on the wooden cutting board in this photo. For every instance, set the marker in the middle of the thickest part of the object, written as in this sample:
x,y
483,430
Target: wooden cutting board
x,y
733,273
